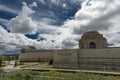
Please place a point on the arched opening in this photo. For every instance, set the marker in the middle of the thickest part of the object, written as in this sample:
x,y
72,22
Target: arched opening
x,y
92,45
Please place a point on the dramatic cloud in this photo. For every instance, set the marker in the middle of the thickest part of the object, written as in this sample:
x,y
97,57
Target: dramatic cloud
x,y
23,23
58,27
69,43
100,15
10,42
94,15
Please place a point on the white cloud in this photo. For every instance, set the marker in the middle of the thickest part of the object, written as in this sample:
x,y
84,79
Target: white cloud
x,y
101,15
14,41
34,4
23,23
56,36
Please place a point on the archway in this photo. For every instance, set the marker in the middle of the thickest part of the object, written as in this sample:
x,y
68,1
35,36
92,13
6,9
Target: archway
x,y
92,45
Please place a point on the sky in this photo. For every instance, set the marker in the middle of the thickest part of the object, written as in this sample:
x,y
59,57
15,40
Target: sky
x,y
56,24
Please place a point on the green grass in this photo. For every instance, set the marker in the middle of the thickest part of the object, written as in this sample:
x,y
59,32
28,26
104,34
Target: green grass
x,y
49,67
24,65
53,75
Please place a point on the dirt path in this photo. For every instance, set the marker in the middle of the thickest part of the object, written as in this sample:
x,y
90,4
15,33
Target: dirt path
x,y
9,65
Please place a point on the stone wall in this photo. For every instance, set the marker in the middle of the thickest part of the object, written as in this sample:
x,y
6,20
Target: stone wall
x,y
95,37
78,58
36,56
88,58
65,59
99,58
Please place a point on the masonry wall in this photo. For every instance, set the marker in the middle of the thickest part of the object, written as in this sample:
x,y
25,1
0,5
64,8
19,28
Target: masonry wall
x,y
88,58
99,58
78,58
61,58
65,59
36,56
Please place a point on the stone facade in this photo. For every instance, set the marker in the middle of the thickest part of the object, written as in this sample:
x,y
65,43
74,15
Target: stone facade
x,y
32,56
99,58
66,59
93,54
92,39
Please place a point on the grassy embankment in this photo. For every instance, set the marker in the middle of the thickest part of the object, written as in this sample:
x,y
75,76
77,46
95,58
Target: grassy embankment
x,y
53,75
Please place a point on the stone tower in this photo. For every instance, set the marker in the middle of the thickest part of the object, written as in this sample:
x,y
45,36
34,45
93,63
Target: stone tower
x,y
92,40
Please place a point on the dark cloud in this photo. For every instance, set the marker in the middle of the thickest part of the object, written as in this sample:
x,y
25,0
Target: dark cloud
x,y
69,43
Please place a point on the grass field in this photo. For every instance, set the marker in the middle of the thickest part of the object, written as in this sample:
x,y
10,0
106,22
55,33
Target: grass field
x,y
52,75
